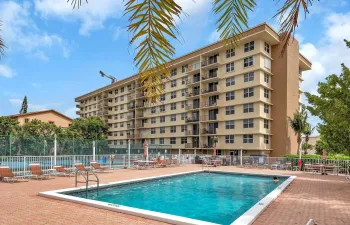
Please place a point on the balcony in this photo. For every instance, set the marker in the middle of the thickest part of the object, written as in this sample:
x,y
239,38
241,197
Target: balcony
x,y
212,61
209,104
78,105
140,125
208,117
192,94
208,131
141,115
192,107
211,90
190,132
193,81
130,136
130,126
131,97
210,77
193,68
130,117
191,145
192,120
206,146
139,105
78,112
131,107
140,95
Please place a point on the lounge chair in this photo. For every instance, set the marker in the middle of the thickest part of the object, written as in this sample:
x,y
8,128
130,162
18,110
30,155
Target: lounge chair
x,y
160,164
63,171
37,172
7,175
98,168
288,166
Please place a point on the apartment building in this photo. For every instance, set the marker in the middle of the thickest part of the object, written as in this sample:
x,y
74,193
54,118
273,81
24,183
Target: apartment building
x,y
239,96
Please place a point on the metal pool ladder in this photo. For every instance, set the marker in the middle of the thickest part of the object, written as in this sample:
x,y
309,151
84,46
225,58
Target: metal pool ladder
x,y
84,172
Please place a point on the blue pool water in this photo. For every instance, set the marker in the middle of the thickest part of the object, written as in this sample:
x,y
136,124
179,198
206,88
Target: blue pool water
x,y
212,197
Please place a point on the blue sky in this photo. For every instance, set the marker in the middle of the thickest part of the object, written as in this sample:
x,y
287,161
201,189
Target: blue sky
x,y
54,53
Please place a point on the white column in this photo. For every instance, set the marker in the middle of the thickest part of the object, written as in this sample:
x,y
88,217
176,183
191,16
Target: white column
x,y
55,151
241,156
93,151
128,153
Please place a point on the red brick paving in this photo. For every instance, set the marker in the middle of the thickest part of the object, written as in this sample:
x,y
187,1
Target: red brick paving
x,y
326,199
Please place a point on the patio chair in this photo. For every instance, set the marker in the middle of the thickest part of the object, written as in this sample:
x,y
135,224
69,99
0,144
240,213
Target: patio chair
x,y
36,171
98,168
7,175
288,166
175,162
307,167
247,165
60,170
160,163
265,166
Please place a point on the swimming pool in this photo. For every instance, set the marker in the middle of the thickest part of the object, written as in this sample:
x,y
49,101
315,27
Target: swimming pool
x,y
214,197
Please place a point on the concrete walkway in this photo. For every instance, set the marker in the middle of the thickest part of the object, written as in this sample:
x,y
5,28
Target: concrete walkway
x,y
326,199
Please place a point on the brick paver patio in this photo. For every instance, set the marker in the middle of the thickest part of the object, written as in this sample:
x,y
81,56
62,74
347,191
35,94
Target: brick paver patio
x,y
326,199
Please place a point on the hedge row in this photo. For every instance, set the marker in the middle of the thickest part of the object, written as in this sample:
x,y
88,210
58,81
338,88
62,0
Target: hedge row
x,y
318,156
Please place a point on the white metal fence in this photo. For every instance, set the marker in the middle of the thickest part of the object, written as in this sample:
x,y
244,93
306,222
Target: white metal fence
x,y
20,164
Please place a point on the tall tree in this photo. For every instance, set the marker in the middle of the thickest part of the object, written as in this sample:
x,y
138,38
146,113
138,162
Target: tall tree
x,y
8,126
298,123
2,45
332,106
307,133
89,128
24,108
152,25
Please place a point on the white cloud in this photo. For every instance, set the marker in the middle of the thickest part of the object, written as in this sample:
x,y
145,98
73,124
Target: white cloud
x,y
21,33
6,71
71,112
33,107
92,15
36,85
41,55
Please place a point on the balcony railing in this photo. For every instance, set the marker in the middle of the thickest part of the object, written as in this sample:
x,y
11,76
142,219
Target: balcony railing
x,y
141,115
208,131
192,132
207,146
208,117
209,90
130,126
209,76
192,94
192,119
130,117
209,62
192,81
78,112
191,145
140,125
130,136
189,107
131,106
139,105
131,97
194,66
208,104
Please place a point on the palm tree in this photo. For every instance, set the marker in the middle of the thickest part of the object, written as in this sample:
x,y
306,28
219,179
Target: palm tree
x,y
2,45
152,23
298,123
307,133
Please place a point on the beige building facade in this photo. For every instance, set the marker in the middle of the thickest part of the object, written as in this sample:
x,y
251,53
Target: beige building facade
x,y
47,116
241,96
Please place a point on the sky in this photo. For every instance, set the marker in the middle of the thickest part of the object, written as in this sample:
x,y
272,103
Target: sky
x,y
54,53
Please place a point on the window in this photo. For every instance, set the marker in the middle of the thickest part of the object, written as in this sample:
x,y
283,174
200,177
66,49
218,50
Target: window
x,y
162,108
121,133
249,107
247,138
173,83
183,140
230,110
115,133
161,141
173,94
121,142
230,67
267,63
116,117
173,72
115,125
183,104
230,95
173,129
116,100
172,141
229,139
116,108
230,124
266,108
249,77
153,141
267,48
184,80
173,117
162,130
122,98
122,116
248,92
153,120
266,139
248,123
122,107
266,78
153,110
116,91
184,68
26,120
266,93
230,53
162,119
183,92
153,130
230,81
122,89
248,61
173,106
266,124
183,128
162,97
121,124
249,46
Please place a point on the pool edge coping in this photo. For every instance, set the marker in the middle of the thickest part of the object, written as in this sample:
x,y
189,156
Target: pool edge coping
x,y
245,219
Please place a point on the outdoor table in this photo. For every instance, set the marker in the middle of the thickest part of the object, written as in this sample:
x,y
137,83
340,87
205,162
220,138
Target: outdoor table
x,y
145,163
332,168
215,162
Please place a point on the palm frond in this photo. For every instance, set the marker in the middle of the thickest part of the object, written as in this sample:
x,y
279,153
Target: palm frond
x,y
288,16
347,43
76,3
151,24
2,44
233,18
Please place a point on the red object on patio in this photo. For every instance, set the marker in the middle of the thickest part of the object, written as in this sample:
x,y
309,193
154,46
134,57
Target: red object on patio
x,y
145,148
324,154
214,150
300,162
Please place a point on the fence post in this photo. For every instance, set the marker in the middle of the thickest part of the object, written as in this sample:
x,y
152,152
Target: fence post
x,y
128,153
52,163
93,150
10,139
241,157
24,165
55,151
110,161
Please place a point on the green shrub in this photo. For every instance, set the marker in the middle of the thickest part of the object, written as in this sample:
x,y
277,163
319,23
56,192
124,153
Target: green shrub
x,y
341,157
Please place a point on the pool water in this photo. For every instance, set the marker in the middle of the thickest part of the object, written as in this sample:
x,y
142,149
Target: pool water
x,y
212,197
